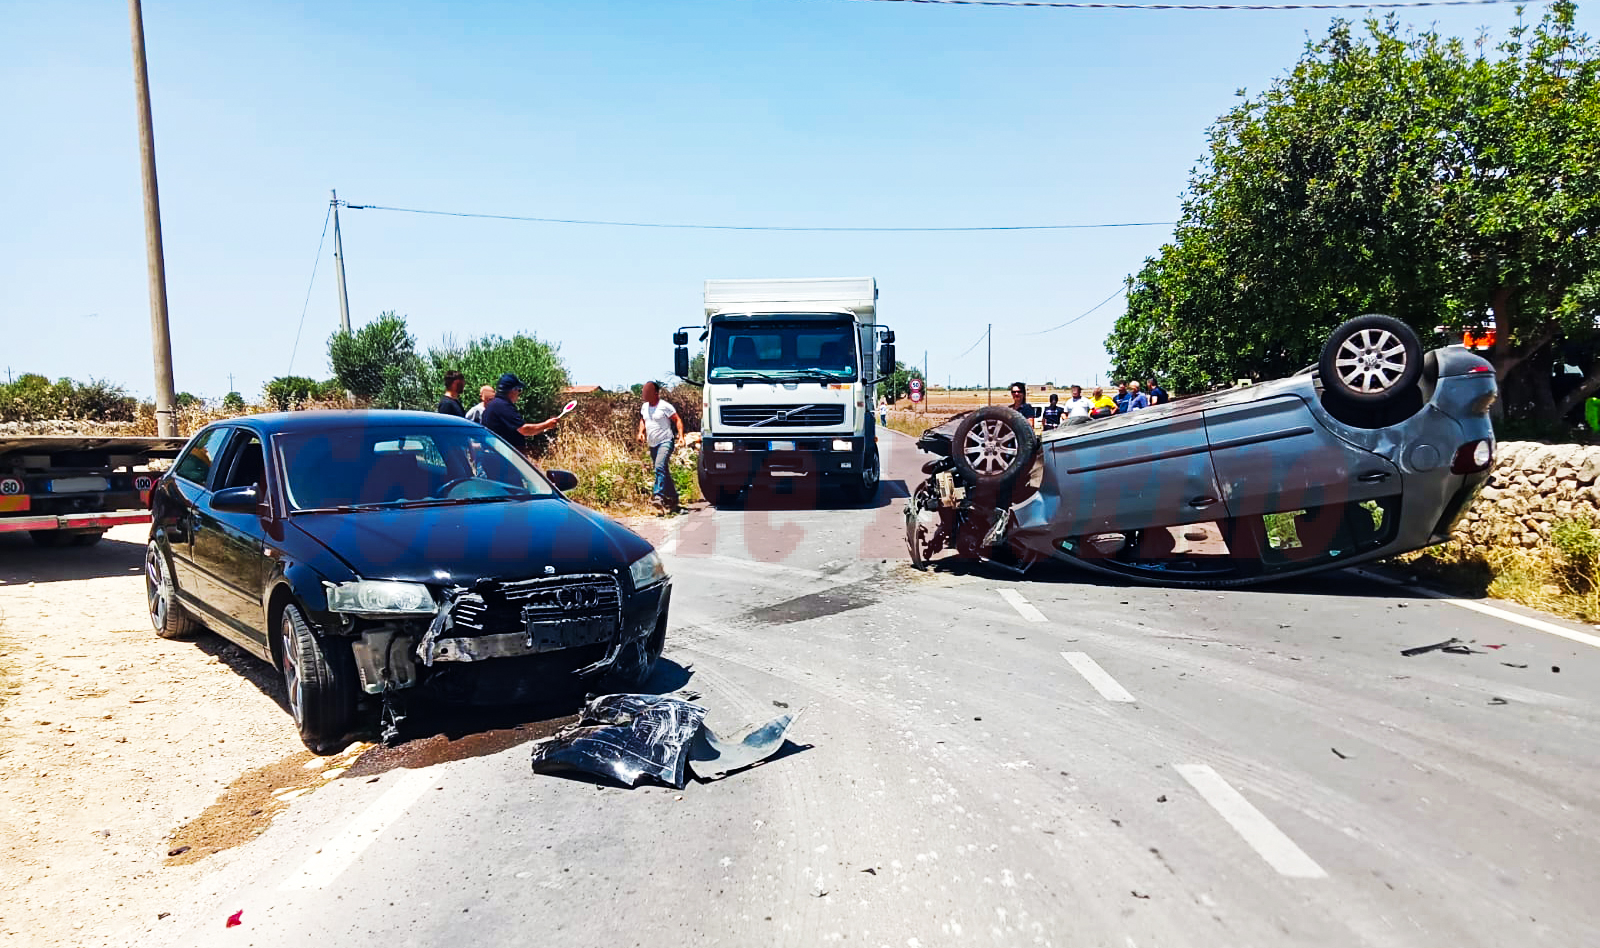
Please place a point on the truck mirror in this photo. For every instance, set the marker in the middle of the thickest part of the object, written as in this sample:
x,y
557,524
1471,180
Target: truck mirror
x,y
886,359
888,335
680,338
680,360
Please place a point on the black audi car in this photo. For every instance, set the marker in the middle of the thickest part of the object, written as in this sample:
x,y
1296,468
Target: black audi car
x,y
373,554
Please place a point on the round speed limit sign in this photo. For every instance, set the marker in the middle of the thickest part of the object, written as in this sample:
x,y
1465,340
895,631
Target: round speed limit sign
x,y
916,389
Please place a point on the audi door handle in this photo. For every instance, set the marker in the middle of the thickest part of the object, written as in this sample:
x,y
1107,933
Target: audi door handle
x,y
1202,501
1373,477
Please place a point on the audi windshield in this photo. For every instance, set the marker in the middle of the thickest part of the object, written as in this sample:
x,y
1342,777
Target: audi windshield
x,y
782,348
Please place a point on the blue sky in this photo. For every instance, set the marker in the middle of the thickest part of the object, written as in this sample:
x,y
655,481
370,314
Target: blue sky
x,y
793,112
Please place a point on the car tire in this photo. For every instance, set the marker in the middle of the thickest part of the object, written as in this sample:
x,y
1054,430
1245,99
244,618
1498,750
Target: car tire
x,y
50,539
1370,361
863,489
319,682
992,446
167,615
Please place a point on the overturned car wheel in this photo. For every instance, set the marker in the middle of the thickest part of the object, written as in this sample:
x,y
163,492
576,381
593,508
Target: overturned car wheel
x,y
992,446
1371,360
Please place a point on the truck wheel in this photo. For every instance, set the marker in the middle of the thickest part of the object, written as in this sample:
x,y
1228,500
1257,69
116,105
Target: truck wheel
x,y
319,679
863,489
715,493
1370,360
992,446
87,539
49,539
161,594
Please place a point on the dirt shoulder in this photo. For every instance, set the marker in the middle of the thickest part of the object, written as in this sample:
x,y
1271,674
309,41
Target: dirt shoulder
x,y
111,739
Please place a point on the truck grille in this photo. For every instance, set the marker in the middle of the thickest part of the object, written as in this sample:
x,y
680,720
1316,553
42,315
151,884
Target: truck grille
x,y
509,607
773,416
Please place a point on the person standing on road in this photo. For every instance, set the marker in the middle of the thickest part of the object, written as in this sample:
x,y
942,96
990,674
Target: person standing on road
x,y
485,396
1077,406
883,410
659,426
1103,404
502,417
1052,412
1136,399
450,402
1019,401
1156,394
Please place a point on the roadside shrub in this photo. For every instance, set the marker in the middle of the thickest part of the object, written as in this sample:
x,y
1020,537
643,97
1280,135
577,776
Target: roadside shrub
x,y
369,358
287,392
233,402
1579,549
483,359
32,397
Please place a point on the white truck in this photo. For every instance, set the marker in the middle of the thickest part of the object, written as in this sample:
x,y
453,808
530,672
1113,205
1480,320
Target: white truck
x,y
791,367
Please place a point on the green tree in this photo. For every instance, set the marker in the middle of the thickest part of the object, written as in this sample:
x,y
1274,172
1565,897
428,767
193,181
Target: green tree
x,y
898,383
373,362
233,402
287,392
536,363
1391,172
185,400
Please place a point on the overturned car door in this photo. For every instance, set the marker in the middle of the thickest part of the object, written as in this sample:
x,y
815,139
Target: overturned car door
x,y
1293,490
1150,468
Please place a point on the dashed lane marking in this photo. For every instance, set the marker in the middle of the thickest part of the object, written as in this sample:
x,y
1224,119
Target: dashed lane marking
x,y
1262,834
1022,605
338,853
1097,676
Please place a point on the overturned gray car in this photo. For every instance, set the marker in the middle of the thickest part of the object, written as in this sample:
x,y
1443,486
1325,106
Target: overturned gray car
x,y
1376,450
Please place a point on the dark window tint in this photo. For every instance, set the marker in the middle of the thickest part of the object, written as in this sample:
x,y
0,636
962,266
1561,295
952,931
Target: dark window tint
x,y
195,465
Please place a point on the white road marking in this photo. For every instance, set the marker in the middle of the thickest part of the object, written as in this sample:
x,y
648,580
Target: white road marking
x,y
339,852
1097,676
669,540
1264,837
1538,625
1023,606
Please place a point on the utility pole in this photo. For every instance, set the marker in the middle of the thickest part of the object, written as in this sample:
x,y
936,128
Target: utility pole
x,y
925,384
160,336
988,384
338,261
230,381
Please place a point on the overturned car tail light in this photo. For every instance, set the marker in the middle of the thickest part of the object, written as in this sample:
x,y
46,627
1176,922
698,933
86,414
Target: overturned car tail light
x,y
1472,457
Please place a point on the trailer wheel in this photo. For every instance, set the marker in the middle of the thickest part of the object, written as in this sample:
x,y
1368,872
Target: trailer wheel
x,y
161,593
50,539
89,538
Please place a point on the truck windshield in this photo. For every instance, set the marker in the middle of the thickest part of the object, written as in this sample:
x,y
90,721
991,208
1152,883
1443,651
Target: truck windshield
x,y
780,348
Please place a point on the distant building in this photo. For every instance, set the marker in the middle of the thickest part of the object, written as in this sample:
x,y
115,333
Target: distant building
x,y
581,389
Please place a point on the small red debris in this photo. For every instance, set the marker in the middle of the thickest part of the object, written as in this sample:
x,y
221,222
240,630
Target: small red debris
x,y
234,919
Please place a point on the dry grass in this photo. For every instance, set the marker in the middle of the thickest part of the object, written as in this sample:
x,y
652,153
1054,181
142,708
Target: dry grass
x,y
1546,579
614,475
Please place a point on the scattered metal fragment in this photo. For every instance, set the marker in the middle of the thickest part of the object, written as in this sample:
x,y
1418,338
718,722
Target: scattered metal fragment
x,y
1337,754
1498,701
178,852
1162,798
711,757
1514,665
1437,646
1139,895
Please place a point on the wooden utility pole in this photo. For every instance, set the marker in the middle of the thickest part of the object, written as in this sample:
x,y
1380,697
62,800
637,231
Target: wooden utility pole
x,y
160,337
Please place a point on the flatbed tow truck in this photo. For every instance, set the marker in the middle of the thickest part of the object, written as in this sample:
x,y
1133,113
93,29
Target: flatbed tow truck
x,y
67,490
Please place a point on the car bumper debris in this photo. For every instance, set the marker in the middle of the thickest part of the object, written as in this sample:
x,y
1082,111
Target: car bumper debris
x,y
630,737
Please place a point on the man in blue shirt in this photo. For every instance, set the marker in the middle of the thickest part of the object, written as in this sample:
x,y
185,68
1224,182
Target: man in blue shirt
x,y
1121,398
501,416
1136,398
1157,394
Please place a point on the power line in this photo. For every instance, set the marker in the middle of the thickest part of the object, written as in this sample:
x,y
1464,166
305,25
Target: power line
x,y
314,264
1392,5
747,227
974,345
1119,292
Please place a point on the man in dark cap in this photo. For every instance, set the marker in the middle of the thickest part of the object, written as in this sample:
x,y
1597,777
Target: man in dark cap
x,y
501,415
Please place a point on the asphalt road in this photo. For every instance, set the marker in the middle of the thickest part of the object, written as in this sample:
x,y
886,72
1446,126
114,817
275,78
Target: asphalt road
x,y
987,760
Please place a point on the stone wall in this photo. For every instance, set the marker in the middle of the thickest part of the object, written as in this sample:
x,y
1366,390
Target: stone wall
x,y
1533,486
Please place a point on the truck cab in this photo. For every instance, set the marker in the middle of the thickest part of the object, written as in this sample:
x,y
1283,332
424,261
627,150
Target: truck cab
x,y
791,367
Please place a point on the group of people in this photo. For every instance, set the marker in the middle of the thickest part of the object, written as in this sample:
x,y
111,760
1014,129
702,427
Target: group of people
x,y
1130,396
660,427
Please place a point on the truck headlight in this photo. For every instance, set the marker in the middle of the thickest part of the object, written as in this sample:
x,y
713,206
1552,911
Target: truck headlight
x,y
647,570
722,445
381,596
839,444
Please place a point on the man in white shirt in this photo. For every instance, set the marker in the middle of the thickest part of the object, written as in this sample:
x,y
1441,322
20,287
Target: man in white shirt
x,y
1077,406
485,396
659,426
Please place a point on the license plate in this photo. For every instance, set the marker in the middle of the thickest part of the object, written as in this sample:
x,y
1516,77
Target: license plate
x,y
76,485
780,445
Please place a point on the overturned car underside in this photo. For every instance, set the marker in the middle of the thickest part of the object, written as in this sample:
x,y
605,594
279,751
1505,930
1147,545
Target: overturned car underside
x,y
1376,451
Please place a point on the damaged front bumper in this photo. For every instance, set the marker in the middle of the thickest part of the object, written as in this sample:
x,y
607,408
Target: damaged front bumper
x,y
591,620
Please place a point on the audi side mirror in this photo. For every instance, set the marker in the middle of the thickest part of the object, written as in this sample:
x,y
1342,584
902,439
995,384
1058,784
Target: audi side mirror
x,y
563,480
236,498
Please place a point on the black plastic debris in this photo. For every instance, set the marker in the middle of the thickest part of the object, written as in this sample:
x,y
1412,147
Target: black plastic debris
x,y
1453,646
1497,701
631,737
1339,754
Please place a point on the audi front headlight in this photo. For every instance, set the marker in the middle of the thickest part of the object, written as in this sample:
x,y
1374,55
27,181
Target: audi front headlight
x,y
378,596
647,570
